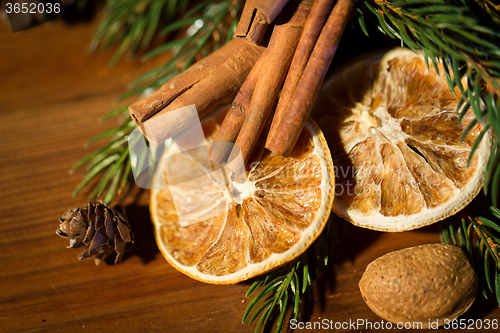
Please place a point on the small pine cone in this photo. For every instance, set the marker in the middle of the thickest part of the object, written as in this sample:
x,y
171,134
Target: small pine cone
x,y
98,227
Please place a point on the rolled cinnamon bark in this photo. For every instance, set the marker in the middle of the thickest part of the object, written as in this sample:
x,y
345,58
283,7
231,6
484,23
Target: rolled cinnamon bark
x,y
252,23
315,22
270,9
305,94
208,83
245,19
276,63
147,107
231,126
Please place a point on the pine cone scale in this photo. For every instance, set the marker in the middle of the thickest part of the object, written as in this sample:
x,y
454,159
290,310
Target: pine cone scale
x,y
103,230
99,243
120,247
110,224
123,229
89,234
78,227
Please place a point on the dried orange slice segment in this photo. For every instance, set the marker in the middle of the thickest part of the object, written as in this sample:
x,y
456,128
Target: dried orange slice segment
x,y
283,206
393,130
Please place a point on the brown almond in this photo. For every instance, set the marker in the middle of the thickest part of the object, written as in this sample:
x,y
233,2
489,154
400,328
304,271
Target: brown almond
x,y
426,283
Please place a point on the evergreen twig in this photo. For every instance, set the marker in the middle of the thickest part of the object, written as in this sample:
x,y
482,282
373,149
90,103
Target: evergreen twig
x,y
284,288
479,237
132,24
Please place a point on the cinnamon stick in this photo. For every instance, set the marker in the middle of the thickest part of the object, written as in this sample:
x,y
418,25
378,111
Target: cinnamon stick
x,y
305,94
270,9
257,28
314,24
245,19
208,83
277,60
145,108
252,23
230,127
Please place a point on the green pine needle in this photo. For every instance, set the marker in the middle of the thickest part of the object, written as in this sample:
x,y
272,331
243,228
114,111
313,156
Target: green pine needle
x,y
477,231
284,288
130,25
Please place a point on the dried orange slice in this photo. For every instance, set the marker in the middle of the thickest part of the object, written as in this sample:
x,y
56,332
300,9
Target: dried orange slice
x,y
393,130
283,206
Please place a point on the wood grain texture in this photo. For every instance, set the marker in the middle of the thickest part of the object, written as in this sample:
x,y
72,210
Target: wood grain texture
x,y
51,95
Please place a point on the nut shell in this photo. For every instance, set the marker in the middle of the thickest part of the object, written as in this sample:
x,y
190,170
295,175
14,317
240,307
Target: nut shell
x,y
420,284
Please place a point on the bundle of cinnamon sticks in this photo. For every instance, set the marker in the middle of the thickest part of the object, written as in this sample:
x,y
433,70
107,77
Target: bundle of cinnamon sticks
x,y
303,40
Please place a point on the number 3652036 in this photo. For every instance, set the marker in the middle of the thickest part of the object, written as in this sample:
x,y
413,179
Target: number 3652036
x,y
33,8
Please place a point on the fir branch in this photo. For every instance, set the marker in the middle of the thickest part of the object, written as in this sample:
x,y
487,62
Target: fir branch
x,y
479,237
465,37
132,24
284,288
202,37
209,25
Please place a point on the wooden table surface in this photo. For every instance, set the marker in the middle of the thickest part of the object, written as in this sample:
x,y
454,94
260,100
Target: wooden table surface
x,y
51,95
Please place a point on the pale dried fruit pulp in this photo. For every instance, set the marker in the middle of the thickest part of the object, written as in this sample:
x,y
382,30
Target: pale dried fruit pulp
x,y
283,207
392,126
